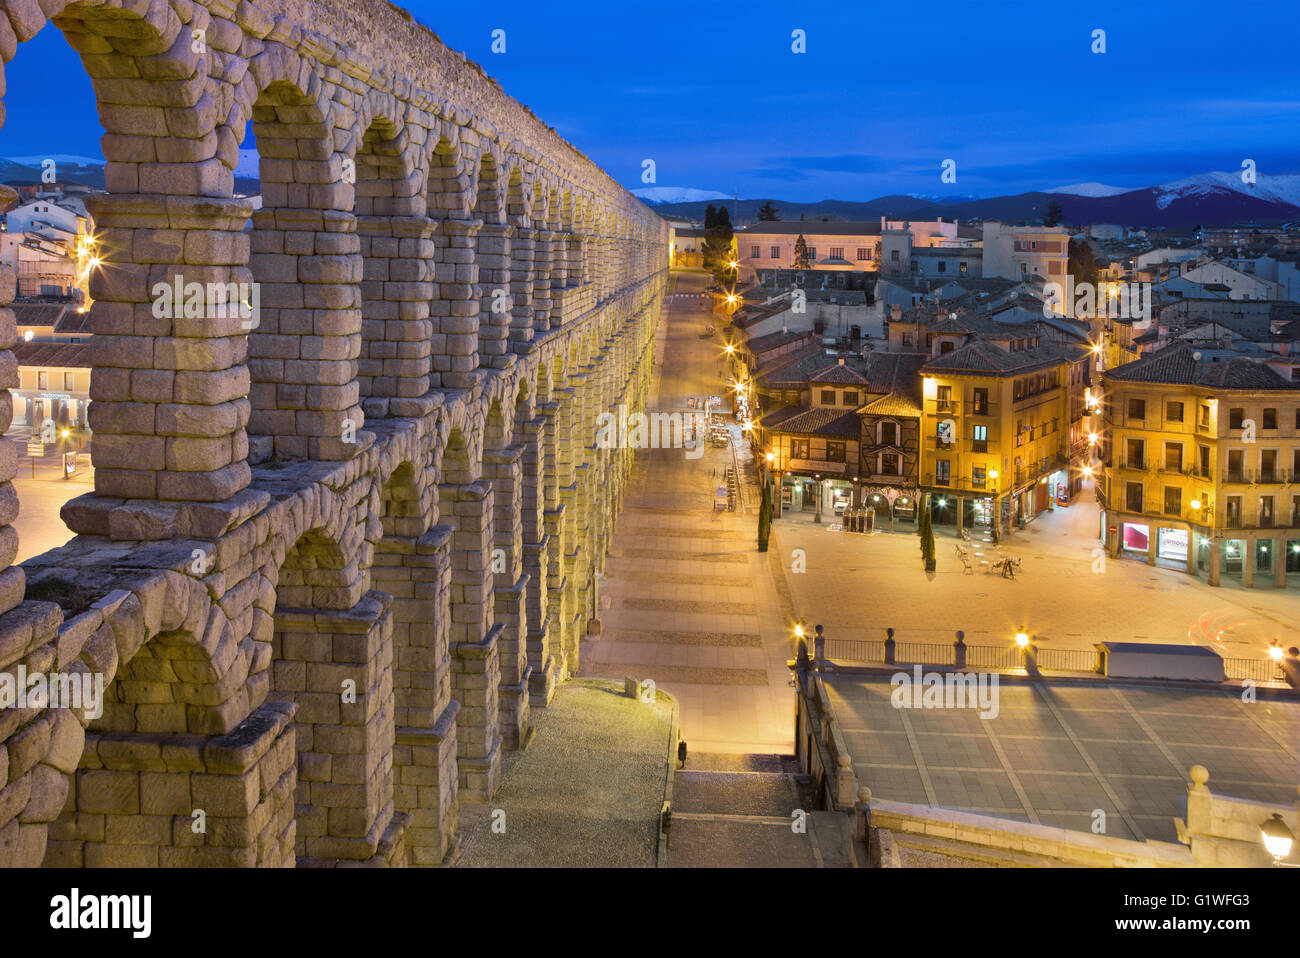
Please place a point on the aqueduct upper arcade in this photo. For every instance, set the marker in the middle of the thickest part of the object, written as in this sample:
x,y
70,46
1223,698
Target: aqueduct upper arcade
x,y
334,555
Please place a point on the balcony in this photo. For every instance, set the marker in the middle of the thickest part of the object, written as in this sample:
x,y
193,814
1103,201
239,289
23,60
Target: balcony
x,y
1255,477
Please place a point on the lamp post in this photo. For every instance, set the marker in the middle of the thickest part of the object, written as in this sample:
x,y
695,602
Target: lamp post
x,y
817,517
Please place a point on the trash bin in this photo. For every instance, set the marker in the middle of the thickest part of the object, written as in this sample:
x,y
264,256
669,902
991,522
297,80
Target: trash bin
x,y
869,520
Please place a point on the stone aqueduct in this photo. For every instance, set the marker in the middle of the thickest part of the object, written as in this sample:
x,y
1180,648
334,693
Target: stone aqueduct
x,y
330,563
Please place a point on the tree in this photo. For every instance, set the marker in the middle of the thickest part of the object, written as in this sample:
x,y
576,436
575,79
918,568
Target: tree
x,y
767,213
801,260
1083,267
765,515
717,248
926,532
1054,214
710,217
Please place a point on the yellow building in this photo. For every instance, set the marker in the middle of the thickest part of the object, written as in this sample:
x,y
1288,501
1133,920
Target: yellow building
x,y
999,428
1201,448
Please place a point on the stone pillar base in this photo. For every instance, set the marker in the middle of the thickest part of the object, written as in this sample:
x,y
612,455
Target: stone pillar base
x,y
541,682
426,783
479,777
390,850
515,712
135,796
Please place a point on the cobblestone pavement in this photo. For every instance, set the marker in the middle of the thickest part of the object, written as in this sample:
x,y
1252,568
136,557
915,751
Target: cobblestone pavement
x,y
687,601
857,585
585,793
1056,752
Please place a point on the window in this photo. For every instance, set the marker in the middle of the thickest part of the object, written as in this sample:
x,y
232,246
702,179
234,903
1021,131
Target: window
x,y
69,382
979,438
962,267
941,472
977,477
907,339
864,252
943,267
980,406
1204,452
893,256
1174,412
42,380
1135,449
1020,432
1173,501
1235,465
1235,417
889,434
776,252
1265,511
812,254
799,449
1205,416
1234,512
889,464
1133,496
1297,408
1270,418
828,397
837,252
835,451
1267,465
754,252
850,397
1137,409
1173,457
944,397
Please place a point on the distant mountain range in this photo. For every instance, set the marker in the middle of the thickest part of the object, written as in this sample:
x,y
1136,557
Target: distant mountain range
x,y
1211,199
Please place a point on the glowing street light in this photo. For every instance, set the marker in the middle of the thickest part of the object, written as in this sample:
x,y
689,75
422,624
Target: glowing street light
x,y
1022,639
1277,838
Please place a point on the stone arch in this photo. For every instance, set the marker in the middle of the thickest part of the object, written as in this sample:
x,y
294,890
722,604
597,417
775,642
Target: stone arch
x,y
396,246
306,259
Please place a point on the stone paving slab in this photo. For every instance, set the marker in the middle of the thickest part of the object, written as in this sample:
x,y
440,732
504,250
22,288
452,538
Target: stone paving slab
x,y
588,789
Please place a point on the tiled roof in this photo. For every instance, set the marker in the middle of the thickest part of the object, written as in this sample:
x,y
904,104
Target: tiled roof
x,y
981,356
38,314
1183,364
838,374
75,355
761,344
814,421
892,405
73,322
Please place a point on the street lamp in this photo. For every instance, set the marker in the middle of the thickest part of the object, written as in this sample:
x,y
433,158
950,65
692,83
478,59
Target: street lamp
x,y
1022,639
1277,839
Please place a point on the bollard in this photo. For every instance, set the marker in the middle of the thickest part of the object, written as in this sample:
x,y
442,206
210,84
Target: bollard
x,y
959,650
889,646
862,816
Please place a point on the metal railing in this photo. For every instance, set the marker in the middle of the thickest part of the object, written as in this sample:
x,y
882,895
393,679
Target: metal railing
x,y
855,650
995,657
924,653
1069,660
1257,670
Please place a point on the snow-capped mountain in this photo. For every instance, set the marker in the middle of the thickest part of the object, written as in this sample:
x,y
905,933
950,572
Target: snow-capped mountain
x,y
655,195
1090,189
1279,188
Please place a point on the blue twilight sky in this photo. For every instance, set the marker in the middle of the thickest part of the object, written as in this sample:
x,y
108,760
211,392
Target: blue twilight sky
x,y
885,92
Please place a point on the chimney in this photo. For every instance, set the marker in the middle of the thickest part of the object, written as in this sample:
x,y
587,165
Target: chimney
x,y
895,312
841,362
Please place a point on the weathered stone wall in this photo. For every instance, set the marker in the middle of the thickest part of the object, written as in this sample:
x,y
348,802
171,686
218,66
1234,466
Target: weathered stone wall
x,y
337,551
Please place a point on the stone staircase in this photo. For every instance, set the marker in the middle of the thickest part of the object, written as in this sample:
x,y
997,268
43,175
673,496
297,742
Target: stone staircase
x,y
750,811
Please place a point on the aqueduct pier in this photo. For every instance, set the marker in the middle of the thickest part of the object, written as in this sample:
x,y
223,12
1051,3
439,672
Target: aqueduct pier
x,y
332,561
